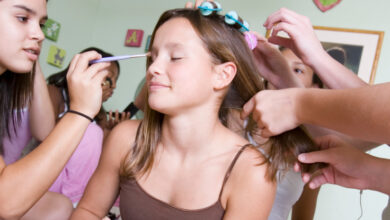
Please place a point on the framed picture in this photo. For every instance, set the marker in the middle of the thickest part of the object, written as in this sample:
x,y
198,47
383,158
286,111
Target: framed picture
x,y
358,50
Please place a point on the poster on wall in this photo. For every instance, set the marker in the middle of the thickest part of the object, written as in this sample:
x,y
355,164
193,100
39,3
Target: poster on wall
x,y
325,5
358,50
51,29
134,38
56,56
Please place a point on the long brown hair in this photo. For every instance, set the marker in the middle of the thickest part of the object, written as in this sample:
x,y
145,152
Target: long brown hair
x,y
225,44
16,91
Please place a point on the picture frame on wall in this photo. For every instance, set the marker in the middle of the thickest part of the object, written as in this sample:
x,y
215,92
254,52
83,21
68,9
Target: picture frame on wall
x,y
358,50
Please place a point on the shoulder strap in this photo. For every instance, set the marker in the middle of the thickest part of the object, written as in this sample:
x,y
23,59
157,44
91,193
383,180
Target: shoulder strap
x,y
229,170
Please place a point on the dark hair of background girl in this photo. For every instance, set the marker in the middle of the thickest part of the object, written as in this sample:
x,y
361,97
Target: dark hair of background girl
x,y
59,79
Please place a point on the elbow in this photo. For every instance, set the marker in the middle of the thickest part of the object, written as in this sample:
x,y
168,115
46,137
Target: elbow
x,y
9,212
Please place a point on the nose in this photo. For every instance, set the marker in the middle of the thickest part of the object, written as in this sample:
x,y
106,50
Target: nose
x,y
155,67
37,33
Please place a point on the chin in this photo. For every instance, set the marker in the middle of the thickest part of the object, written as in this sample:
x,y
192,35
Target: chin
x,y
157,105
23,68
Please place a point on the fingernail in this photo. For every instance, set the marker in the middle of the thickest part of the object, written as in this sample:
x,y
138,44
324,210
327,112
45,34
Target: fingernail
x,y
306,178
302,157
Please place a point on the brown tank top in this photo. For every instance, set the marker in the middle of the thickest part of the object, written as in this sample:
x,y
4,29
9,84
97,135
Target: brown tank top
x,y
137,204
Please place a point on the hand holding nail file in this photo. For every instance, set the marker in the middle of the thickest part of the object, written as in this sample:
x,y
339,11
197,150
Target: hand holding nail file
x,y
114,58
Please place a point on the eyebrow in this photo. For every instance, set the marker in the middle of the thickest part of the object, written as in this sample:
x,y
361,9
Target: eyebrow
x,y
299,63
174,45
29,10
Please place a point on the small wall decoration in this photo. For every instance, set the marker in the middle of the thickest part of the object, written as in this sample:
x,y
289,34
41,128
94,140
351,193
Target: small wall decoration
x,y
325,5
147,45
134,38
359,49
56,56
51,29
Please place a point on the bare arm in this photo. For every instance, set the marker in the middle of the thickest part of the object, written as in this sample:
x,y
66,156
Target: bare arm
x,y
42,119
305,45
341,110
305,207
43,164
347,110
249,194
106,178
139,101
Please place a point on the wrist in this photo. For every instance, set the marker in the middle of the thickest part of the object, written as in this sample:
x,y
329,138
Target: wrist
x,y
80,114
318,60
82,110
300,96
378,174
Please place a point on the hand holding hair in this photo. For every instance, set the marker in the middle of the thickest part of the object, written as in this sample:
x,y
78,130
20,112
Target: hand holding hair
x,y
348,166
275,111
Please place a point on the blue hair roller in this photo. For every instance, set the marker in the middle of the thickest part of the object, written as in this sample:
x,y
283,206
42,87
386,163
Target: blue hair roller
x,y
207,8
232,18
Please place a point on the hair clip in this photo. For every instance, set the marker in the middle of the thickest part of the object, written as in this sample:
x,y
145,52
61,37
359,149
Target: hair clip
x,y
207,8
232,18
251,40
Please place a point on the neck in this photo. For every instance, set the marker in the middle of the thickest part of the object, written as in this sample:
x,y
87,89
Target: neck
x,y
191,134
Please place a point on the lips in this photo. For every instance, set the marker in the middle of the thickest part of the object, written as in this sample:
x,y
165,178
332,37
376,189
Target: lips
x,y
157,85
32,53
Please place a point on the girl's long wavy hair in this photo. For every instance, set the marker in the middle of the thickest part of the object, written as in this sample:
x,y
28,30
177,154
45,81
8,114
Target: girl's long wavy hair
x,y
225,44
16,92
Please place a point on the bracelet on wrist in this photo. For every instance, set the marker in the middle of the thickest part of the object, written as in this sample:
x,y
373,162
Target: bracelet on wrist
x,y
81,114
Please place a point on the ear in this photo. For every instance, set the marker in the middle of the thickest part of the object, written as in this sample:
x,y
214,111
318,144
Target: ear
x,y
224,75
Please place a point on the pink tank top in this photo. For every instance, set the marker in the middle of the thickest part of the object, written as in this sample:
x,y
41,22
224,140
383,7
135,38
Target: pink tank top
x,y
14,145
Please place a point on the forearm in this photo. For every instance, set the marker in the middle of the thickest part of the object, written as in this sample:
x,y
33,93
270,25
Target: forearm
x,y
379,169
348,111
304,208
333,74
42,119
30,177
316,131
84,214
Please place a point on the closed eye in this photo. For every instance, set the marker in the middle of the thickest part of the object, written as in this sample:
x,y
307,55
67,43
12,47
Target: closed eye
x,y
176,58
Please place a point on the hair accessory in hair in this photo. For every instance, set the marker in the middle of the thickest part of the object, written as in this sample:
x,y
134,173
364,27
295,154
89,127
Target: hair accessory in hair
x,y
207,8
251,40
231,18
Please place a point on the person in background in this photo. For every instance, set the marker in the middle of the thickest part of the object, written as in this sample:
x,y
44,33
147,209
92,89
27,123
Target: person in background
x,y
74,177
298,26
24,102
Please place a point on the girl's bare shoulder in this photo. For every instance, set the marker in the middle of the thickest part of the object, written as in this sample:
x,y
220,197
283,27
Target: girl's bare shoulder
x,y
122,136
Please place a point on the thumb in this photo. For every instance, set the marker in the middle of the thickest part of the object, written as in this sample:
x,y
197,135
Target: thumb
x,y
248,108
324,156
